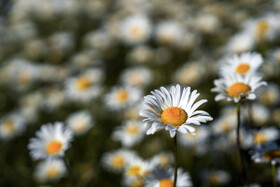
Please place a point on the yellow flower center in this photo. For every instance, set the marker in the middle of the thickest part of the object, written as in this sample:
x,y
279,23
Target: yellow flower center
x,y
242,68
226,126
262,28
53,147
9,126
136,32
238,88
164,161
52,172
122,95
83,83
137,183
132,129
260,138
118,161
272,154
165,183
174,116
134,170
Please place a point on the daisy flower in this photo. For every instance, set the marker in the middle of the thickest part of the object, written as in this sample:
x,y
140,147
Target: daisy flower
x,y
224,124
194,139
79,122
240,43
11,125
137,168
173,110
50,170
235,86
122,97
117,161
165,178
135,29
52,141
243,64
216,177
265,135
130,133
162,160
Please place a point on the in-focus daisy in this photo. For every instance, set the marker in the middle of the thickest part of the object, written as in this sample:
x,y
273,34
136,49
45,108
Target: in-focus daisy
x,y
243,64
173,110
117,160
130,133
121,97
50,170
11,125
52,141
137,77
136,29
267,153
265,135
235,86
79,122
165,178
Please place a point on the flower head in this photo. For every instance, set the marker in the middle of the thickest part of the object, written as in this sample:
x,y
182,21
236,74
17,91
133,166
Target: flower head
x,y
51,141
234,87
173,110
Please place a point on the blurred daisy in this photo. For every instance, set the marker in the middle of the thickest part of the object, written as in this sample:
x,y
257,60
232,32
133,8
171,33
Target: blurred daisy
x,y
85,86
137,77
135,29
173,110
206,23
260,114
217,177
121,97
11,125
137,168
79,122
271,95
190,73
194,139
235,87
130,133
243,64
54,97
225,124
140,55
162,160
265,135
52,141
169,33
267,153
50,170
165,178
240,43
117,160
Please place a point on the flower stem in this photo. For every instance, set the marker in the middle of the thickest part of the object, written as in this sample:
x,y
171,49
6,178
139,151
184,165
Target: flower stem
x,y
273,171
243,172
175,159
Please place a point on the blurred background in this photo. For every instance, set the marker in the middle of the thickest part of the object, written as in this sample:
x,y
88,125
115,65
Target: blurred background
x,y
61,58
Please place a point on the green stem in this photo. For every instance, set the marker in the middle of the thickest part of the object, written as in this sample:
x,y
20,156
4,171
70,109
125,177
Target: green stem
x,y
273,171
238,144
175,159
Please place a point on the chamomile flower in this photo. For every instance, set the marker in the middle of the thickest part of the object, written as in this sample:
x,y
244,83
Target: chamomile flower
x,y
122,97
224,124
11,125
137,168
271,95
130,133
216,177
235,86
52,140
165,178
50,170
135,29
117,161
79,122
194,139
243,64
240,43
173,110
